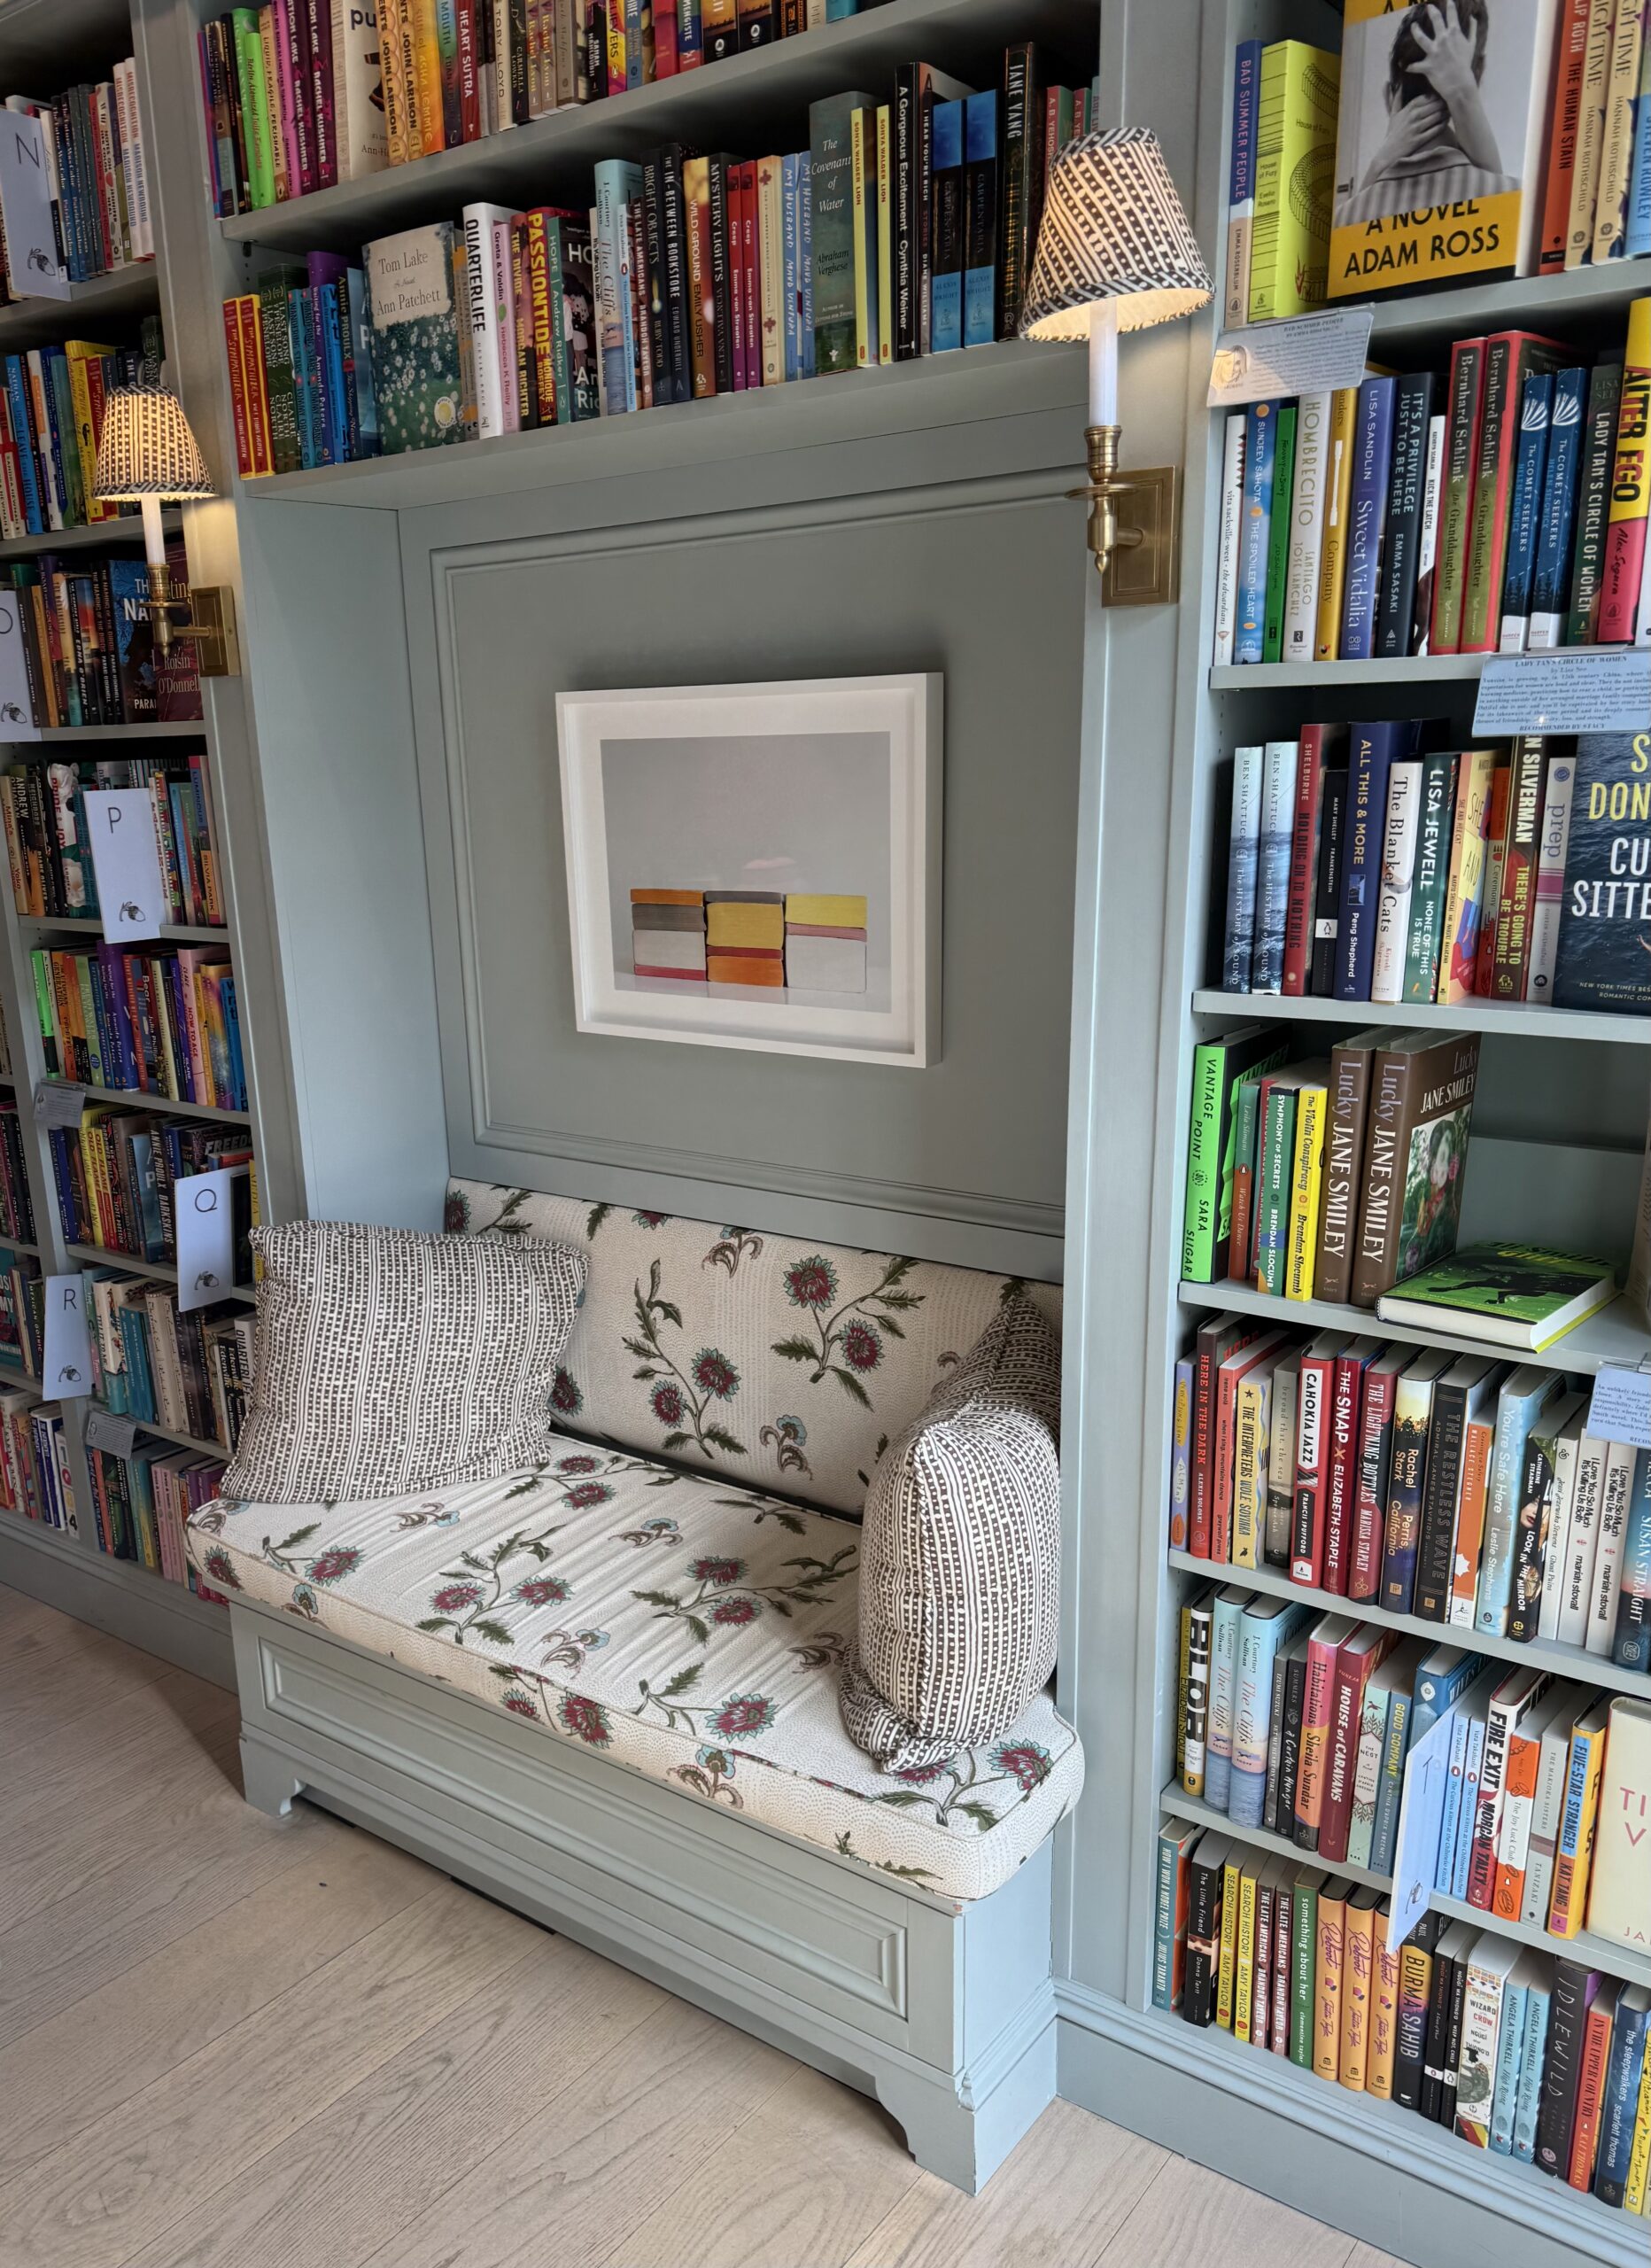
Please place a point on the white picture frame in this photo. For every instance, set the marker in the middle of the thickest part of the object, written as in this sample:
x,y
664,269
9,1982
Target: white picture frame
x,y
824,786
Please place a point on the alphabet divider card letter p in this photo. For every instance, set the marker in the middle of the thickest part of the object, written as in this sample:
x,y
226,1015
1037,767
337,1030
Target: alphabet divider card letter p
x,y
66,1368
125,858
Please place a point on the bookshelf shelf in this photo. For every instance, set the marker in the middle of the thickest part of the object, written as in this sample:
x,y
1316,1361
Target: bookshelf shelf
x,y
1514,1019
178,1438
126,1263
1611,1336
1555,302
37,35
140,1099
1603,1953
1011,378
1563,1661
17,1244
759,92
124,530
1420,669
192,730
175,933
15,1374
1185,1807
124,295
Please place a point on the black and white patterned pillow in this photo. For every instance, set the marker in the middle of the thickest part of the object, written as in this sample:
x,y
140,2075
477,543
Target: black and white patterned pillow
x,y
386,1360
960,1556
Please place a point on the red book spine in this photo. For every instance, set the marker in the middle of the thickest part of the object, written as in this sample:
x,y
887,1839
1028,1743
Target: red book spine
x,y
1244,1201
1570,53
747,272
1364,1573
664,42
1596,2049
1341,1753
318,31
1226,1444
1315,1733
1315,1398
1344,1474
469,85
252,379
1202,1451
1304,861
237,387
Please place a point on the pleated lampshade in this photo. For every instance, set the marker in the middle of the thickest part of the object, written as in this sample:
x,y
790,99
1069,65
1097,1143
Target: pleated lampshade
x,y
1114,228
147,449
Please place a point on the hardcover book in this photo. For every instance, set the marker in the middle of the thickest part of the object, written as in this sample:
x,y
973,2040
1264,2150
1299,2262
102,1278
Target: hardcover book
x,y
1510,1295
416,364
1295,161
1416,1155
1604,952
830,175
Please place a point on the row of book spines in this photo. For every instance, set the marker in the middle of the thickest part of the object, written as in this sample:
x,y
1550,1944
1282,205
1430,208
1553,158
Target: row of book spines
x,y
1337,507
1283,117
22,1302
142,1502
54,876
111,1020
1597,186
35,1480
1467,858
116,1198
1520,2054
17,1204
97,176
300,359
51,414
153,1362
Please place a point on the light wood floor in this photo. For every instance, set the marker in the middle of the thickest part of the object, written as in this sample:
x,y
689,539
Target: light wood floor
x,y
230,2043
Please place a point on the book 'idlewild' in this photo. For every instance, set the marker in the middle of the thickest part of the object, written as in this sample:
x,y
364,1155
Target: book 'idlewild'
x,y
1508,1294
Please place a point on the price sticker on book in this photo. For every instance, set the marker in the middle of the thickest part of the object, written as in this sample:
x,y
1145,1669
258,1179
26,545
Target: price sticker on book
x,y
126,857
1620,1409
66,1369
1307,355
1584,689
56,1105
204,1208
106,1431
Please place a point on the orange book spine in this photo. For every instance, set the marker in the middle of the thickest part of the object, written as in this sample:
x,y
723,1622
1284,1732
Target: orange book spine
x,y
1326,1980
259,445
1378,2078
1476,1478
1513,1826
237,387
1357,1995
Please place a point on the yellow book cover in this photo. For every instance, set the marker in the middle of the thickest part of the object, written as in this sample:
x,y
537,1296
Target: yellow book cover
x,y
1619,1881
1338,494
1295,165
389,81
1326,1980
1378,2070
1226,1962
1440,144
1635,2197
427,62
412,90
1312,1106
1254,1424
79,353
863,145
1182,1664
1464,888
1243,1955
1573,1861
1590,137
1610,207
885,240
1358,1989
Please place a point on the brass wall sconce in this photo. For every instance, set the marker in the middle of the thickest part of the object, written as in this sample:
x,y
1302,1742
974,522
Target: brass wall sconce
x,y
147,455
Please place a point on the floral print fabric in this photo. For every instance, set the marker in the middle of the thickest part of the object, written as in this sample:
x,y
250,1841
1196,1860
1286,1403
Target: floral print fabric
x,y
766,1359
668,1620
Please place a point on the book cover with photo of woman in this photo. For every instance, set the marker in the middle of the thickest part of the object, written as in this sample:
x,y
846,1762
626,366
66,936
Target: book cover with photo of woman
x,y
1440,143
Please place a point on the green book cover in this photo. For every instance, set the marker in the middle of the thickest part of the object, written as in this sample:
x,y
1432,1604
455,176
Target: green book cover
x,y
1432,883
1217,1068
831,188
274,284
256,123
1304,1938
1515,1283
1279,533
1295,167
417,373
1278,1155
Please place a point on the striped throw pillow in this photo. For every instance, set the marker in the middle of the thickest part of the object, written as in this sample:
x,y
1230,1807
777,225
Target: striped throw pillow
x,y
386,1360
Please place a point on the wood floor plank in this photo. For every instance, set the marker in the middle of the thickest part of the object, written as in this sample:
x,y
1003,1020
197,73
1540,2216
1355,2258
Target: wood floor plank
x,y
100,1752
602,2153
90,1668
70,2073
177,2141
1059,2199
804,2180
1187,2213
380,2157
1365,2256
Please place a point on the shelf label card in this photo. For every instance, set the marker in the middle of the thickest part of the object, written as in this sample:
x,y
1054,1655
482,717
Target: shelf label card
x,y
17,706
1579,689
1420,1816
204,1208
126,857
106,1431
1620,1409
31,240
1307,355
59,1106
66,1370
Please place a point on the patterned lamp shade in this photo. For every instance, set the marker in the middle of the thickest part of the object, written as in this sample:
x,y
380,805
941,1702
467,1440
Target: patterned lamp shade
x,y
1113,228
146,449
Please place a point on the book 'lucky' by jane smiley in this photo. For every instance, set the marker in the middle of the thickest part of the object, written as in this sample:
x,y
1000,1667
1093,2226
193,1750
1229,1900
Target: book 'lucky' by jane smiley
x,y
1440,143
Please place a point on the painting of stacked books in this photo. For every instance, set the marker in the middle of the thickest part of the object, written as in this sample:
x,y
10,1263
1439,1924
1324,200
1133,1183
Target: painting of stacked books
x,y
782,941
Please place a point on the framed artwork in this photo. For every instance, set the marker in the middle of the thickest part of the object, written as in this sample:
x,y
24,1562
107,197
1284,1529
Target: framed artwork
x,y
757,866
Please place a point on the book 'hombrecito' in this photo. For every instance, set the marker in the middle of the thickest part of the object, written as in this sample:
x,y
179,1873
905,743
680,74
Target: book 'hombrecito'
x,y
1440,144
1508,1294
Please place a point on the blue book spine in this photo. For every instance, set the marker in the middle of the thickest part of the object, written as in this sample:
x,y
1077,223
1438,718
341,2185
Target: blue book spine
x,y
1374,748
17,401
1259,1644
836,10
1246,117
337,414
981,200
1631,1647
1244,851
1550,577
362,337
1225,1619
1472,1771
1437,1691
1536,408
324,414
1367,517
304,376
1384,1835
1260,433
1515,1414
1450,1818
1272,874
1636,234
633,43
1620,2102
805,254
1511,2038
789,291
618,183
946,287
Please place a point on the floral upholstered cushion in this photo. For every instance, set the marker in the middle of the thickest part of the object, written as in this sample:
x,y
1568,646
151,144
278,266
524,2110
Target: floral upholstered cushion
x,y
677,1624
771,1359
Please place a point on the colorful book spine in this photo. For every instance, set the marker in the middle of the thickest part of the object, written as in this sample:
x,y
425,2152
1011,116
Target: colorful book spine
x,y
1261,435
1373,450
1550,574
1622,567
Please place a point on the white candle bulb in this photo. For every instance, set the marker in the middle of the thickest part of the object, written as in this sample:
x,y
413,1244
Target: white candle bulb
x,y
1103,363
154,535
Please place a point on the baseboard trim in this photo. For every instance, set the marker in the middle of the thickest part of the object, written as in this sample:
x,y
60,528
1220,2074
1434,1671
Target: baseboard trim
x,y
114,1595
1359,2164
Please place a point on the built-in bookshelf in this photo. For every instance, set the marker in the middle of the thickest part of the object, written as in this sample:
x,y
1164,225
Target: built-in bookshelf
x,y
1559,1130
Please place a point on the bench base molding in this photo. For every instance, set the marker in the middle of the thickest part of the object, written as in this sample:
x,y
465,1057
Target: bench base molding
x,y
945,2013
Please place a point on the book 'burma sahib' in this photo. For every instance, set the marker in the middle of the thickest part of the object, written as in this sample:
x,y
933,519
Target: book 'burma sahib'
x,y
1507,1294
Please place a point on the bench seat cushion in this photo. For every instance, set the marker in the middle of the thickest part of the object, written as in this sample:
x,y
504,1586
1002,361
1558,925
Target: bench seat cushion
x,y
668,1620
